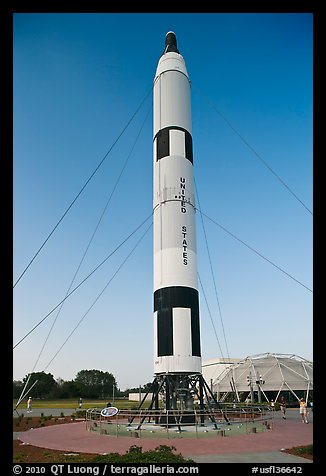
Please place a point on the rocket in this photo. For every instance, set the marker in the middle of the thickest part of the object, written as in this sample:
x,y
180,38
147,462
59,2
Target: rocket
x,y
177,355
176,303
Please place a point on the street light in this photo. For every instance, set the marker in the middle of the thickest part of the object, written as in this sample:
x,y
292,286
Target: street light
x,y
259,382
249,382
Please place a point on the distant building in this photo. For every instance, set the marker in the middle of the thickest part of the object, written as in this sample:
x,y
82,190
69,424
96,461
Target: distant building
x,y
137,397
213,368
265,376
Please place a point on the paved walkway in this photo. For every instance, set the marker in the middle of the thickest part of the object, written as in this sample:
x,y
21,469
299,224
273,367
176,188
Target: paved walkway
x,y
263,447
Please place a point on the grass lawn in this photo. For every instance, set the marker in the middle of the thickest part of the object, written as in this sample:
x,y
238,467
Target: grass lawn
x,y
72,403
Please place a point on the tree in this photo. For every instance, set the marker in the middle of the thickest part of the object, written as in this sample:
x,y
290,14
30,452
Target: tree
x,y
143,388
147,386
68,389
95,383
17,387
64,389
44,386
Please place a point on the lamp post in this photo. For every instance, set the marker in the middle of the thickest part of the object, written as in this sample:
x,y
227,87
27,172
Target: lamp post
x,y
249,382
259,382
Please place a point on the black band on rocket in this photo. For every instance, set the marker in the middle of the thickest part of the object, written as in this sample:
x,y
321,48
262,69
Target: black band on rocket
x,y
165,300
163,143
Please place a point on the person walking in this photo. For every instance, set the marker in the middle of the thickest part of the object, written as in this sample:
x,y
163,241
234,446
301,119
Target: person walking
x,y
282,404
303,410
272,405
29,405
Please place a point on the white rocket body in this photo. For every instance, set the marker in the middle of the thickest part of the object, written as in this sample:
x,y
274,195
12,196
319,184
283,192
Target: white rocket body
x,y
176,308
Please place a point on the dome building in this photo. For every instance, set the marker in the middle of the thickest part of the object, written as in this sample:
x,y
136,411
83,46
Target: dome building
x,y
263,377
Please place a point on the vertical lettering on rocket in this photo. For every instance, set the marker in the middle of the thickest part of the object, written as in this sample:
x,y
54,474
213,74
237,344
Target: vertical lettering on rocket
x,y
182,191
184,245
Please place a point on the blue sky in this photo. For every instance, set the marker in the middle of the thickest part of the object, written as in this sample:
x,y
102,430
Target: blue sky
x,y
78,80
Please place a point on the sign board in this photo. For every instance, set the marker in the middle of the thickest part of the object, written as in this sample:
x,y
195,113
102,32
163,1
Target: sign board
x,y
109,411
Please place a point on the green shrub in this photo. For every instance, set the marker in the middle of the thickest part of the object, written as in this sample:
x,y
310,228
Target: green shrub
x,y
135,454
304,450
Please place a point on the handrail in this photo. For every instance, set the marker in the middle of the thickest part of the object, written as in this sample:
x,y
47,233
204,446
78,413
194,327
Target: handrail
x,y
177,420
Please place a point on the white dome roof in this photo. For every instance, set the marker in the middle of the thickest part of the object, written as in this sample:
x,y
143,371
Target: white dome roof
x,y
276,372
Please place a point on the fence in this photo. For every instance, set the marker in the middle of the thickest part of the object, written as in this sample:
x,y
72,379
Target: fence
x,y
172,424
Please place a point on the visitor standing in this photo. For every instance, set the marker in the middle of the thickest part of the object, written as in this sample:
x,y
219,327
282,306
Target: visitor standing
x,y
303,410
282,404
29,405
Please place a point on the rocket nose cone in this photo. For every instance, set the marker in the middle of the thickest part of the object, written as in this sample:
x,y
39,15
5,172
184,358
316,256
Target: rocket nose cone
x,y
171,43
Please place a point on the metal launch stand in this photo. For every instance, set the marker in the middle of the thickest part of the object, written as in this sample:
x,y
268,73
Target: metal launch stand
x,y
178,391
